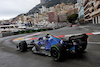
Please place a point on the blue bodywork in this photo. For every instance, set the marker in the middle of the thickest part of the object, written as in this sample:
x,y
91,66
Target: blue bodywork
x,y
51,41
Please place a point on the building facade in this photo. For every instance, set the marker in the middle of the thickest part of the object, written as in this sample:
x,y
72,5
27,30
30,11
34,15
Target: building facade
x,y
86,4
72,11
95,11
43,9
81,14
79,1
51,17
92,11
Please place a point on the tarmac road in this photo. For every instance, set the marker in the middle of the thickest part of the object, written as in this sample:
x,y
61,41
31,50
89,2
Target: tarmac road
x,y
10,57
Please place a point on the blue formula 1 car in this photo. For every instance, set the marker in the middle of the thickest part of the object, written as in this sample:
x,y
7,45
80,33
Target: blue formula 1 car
x,y
55,47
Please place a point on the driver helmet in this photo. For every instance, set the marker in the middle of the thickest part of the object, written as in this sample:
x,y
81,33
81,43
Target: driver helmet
x,y
47,35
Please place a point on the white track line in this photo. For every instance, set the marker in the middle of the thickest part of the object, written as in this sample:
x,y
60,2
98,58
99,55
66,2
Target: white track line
x,y
94,42
26,37
96,33
72,34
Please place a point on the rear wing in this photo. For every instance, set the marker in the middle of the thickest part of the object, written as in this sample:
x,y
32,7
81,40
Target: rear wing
x,y
83,37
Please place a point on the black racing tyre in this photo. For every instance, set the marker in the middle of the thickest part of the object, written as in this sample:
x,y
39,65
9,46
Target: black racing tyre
x,y
23,46
57,52
81,46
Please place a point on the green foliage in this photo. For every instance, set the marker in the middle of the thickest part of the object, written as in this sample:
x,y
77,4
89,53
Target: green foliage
x,y
41,29
46,29
25,32
36,31
72,18
31,31
20,32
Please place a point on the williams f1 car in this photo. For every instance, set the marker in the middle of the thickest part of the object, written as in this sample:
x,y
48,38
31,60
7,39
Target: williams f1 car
x,y
54,46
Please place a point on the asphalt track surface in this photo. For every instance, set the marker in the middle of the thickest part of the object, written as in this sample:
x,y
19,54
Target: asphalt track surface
x,y
10,57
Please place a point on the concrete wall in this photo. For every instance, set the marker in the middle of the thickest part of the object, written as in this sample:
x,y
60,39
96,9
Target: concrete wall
x,y
0,35
7,34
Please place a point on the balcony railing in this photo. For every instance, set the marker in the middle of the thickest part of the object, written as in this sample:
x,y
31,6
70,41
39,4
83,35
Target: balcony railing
x,y
87,15
86,2
85,8
95,12
91,8
97,4
88,19
86,12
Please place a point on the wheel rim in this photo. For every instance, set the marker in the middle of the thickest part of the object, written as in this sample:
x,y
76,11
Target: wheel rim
x,y
54,52
20,47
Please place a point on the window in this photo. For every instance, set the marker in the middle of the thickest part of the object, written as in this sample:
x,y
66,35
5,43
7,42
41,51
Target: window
x,y
92,10
16,26
11,27
92,4
98,7
94,20
97,19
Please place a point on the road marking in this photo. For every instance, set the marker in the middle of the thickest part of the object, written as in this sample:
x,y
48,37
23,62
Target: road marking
x,y
34,34
33,39
26,37
72,34
18,39
94,42
89,33
96,33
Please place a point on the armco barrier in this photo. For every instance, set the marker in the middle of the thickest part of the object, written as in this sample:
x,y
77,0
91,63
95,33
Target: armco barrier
x,y
7,34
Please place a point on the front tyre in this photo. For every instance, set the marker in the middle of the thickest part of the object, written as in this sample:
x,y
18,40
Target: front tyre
x,y
56,52
23,46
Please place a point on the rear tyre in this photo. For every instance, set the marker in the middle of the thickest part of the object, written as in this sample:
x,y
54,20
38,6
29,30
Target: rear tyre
x,y
23,46
57,52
